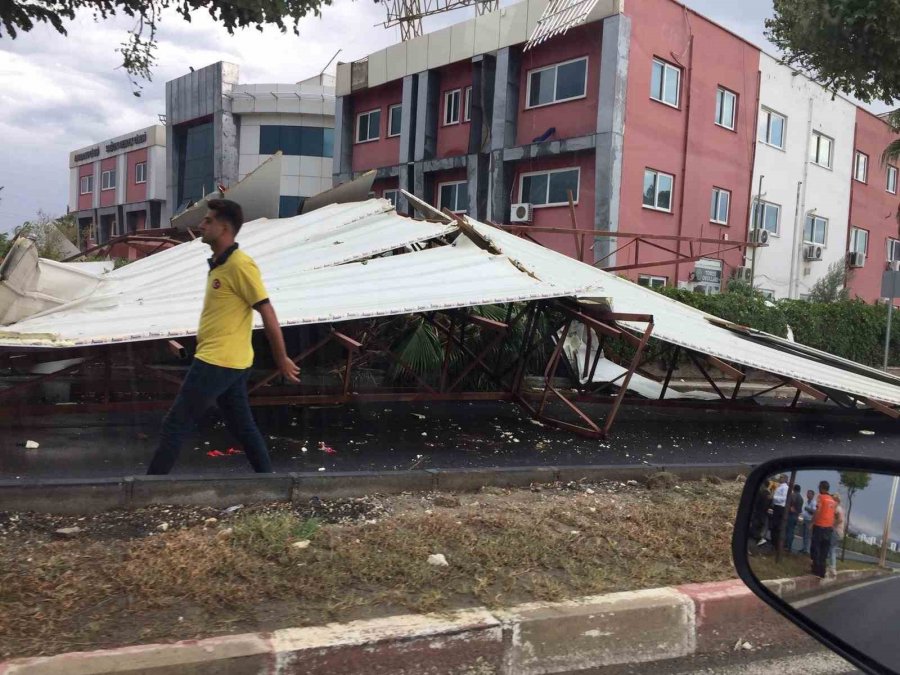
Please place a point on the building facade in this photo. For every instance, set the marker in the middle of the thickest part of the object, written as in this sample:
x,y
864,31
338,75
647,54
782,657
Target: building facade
x,y
219,130
656,120
118,186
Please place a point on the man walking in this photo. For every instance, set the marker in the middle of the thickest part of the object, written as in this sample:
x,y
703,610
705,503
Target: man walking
x,y
779,502
823,524
795,506
809,512
221,367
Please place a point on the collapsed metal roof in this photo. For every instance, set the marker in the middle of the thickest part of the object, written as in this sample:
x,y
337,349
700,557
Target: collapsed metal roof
x,y
361,260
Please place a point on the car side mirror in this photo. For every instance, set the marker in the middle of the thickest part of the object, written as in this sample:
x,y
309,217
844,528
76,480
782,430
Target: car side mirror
x,y
815,538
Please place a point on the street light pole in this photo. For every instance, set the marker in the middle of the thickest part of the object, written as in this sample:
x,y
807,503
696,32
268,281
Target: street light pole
x,y
887,522
887,337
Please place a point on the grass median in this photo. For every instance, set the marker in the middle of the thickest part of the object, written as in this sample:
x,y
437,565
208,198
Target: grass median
x,y
162,574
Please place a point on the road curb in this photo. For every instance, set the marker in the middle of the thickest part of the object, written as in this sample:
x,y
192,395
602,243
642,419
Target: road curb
x,y
533,639
80,496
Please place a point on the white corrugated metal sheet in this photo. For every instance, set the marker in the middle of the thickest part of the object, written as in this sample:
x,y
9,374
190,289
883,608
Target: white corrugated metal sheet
x,y
317,270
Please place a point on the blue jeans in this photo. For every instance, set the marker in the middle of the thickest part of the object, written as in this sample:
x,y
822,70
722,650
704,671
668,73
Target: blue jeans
x,y
205,386
807,533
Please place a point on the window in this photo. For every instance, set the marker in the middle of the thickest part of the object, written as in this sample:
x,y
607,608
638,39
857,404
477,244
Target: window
x,y
451,107
395,117
658,190
771,128
87,185
391,196
718,209
368,127
766,216
108,180
815,231
467,109
766,293
861,167
892,179
820,150
296,140
893,250
140,172
859,240
550,188
651,281
726,108
557,83
665,83
454,196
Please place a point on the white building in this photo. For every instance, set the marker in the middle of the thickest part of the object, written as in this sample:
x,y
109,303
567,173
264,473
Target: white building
x,y
804,158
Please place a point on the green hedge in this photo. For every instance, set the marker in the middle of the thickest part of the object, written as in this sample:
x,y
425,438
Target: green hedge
x,y
848,328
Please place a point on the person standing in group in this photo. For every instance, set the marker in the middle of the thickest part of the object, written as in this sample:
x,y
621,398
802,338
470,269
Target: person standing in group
x,y
779,504
809,512
221,367
794,509
837,534
823,525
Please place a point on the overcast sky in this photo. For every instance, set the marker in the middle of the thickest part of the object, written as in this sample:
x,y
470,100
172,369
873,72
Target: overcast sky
x,y
61,93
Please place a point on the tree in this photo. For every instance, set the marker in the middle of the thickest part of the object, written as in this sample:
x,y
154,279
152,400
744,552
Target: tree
x,y
5,243
51,235
138,49
832,287
853,482
851,46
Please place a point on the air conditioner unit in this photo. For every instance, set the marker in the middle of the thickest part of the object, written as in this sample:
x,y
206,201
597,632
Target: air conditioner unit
x,y
702,289
813,252
759,236
855,259
522,213
744,274
893,266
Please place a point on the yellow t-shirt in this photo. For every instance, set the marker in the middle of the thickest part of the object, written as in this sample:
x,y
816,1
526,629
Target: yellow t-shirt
x,y
233,289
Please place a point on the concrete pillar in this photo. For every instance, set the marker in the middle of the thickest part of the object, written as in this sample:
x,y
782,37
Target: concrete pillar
x,y
501,174
343,140
611,130
225,132
478,177
506,99
427,110
407,139
483,74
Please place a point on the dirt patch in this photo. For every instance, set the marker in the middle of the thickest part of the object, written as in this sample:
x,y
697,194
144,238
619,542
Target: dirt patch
x,y
124,579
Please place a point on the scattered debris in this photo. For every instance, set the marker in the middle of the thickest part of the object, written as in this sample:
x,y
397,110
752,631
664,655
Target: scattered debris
x,y
866,432
68,531
210,521
30,445
321,468
301,544
232,509
163,526
418,415
438,560
662,481
226,533
327,449
446,501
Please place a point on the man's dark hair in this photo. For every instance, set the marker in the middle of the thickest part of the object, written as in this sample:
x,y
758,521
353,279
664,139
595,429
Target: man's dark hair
x,y
229,211
797,488
824,486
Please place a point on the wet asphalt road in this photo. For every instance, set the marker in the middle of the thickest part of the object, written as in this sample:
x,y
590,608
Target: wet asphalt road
x,y
403,436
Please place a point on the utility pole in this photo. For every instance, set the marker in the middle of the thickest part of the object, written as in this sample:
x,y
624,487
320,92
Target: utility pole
x,y
757,216
888,519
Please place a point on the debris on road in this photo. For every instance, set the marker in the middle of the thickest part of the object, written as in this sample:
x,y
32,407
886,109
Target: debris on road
x,y
866,432
300,545
68,531
438,560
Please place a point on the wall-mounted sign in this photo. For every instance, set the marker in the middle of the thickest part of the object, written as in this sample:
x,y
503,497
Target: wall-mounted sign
x,y
137,139
88,154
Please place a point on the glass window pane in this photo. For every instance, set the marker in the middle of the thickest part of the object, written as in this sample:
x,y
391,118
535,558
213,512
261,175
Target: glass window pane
x,y
560,184
327,142
723,206
714,206
826,151
396,118
763,130
534,189
771,218
814,149
664,192
808,230
446,197
362,128
310,141
543,83
292,141
570,80
649,188
673,75
777,131
462,197
375,124
729,109
656,81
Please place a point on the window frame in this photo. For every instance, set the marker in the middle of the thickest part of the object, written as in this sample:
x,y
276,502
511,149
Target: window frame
x,y
650,279
555,67
764,203
813,217
112,182
367,115
857,155
715,192
890,245
734,110
467,104
89,178
853,240
447,94
140,173
391,110
817,137
548,173
766,141
656,192
891,170
666,67
440,189
396,191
